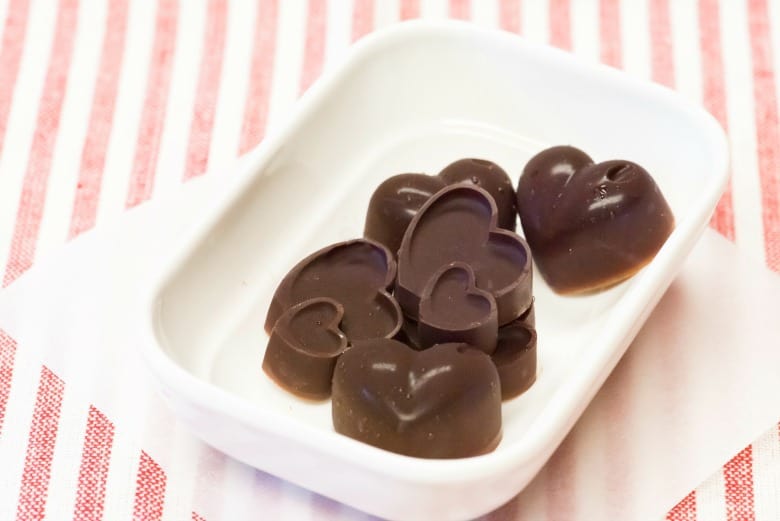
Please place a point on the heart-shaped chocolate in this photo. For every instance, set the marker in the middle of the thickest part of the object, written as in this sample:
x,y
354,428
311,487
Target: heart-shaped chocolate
x,y
304,346
444,402
398,199
590,225
356,274
453,309
458,224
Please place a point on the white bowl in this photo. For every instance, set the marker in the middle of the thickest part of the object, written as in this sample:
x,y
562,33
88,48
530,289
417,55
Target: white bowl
x,y
414,98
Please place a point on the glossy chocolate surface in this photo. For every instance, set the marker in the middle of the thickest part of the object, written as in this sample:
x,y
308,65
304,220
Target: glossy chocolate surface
x,y
394,204
458,224
491,178
303,347
590,225
453,309
397,200
444,402
515,357
356,274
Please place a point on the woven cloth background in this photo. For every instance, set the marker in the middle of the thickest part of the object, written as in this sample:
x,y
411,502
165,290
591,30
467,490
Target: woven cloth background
x,y
105,104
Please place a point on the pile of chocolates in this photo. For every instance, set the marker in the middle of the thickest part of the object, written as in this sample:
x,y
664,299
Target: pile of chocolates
x,y
420,329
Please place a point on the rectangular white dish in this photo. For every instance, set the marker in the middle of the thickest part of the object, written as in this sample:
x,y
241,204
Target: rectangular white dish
x,y
412,99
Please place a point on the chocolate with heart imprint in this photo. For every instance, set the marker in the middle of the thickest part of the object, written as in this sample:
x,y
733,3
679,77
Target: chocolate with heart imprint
x,y
304,346
357,274
453,309
397,200
590,225
459,224
443,402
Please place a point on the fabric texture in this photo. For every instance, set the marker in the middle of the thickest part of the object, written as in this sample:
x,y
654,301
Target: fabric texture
x,y
105,105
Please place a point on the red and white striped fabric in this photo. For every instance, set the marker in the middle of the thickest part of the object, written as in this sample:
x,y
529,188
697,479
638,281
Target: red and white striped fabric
x,y
106,104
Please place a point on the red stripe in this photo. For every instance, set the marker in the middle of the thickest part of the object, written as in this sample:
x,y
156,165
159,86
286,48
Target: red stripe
x,y
10,57
738,477
256,109
95,460
685,510
40,447
314,52
767,127
410,9
33,197
460,9
609,22
153,116
208,89
510,16
93,155
149,490
196,517
7,357
362,18
560,23
662,60
714,94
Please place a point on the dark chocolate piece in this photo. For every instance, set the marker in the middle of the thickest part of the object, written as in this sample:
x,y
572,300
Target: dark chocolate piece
x,y
515,357
453,309
356,274
490,177
395,203
590,225
409,334
444,402
459,225
398,199
304,346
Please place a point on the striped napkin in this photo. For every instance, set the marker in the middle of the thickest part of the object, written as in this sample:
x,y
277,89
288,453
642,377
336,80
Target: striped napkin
x,y
107,104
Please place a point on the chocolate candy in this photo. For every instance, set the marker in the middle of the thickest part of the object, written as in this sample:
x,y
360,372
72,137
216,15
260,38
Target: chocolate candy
x,y
491,178
590,225
356,274
444,402
458,224
515,357
398,199
304,346
453,309
339,291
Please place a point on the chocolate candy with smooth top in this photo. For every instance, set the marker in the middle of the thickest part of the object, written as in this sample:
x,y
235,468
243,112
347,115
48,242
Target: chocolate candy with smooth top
x,y
515,357
459,225
398,199
444,402
304,346
395,203
356,274
453,309
590,225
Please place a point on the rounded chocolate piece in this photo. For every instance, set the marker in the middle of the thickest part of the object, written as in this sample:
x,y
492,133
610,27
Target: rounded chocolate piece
x,y
515,358
304,346
453,309
588,225
393,205
490,177
459,225
398,199
357,275
443,402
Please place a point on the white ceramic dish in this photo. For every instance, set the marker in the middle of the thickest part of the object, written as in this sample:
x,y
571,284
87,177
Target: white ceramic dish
x,y
414,98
